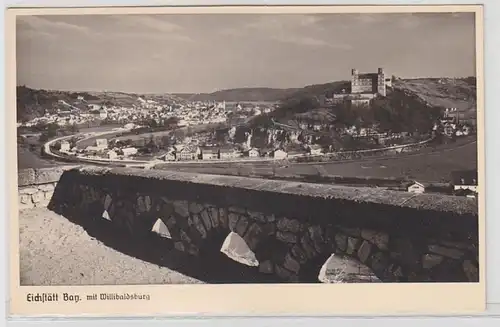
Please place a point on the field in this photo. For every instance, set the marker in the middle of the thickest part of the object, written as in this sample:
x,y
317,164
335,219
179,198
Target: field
x,y
432,165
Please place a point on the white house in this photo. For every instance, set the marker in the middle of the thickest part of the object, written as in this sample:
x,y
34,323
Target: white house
x,y
464,180
169,156
228,153
316,150
208,152
417,188
65,146
129,151
280,154
112,155
253,153
101,143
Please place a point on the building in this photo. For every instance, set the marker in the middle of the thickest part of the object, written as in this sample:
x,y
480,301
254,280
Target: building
x,y
368,83
253,153
101,143
65,146
228,153
464,180
209,152
417,188
364,88
280,154
188,153
169,156
129,151
112,155
316,150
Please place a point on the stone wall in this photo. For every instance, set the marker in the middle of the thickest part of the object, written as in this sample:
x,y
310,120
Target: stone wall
x,y
36,186
291,227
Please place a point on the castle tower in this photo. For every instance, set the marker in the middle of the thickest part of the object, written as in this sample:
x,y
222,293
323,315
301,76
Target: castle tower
x,y
381,88
354,81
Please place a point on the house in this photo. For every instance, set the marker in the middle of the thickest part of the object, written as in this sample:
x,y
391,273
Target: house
x,y
316,150
228,153
464,180
129,151
253,153
209,152
280,154
112,155
188,153
65,146
101,143
417,187
169,156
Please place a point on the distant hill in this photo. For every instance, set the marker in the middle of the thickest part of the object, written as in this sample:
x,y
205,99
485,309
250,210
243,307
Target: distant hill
x,y
239,95
262,93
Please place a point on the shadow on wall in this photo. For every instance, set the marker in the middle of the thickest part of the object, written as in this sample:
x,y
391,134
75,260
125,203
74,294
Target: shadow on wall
x,y
213,268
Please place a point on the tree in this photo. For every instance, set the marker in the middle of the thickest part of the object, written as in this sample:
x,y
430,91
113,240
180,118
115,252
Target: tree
x,y
52,129
172,122
73,128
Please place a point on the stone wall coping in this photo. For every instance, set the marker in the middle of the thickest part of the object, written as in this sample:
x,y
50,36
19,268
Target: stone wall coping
x,y
439,203
36,176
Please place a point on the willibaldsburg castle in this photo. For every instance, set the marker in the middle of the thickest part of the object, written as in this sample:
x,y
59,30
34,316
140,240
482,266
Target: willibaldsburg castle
x,y
365,87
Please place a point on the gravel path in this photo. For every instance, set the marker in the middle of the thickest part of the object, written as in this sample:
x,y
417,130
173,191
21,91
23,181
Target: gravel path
x,y
54,251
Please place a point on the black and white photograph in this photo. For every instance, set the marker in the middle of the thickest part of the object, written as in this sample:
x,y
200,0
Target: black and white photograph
x,y
248,148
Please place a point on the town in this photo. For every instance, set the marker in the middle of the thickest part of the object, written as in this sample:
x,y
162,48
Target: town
x,y
178,130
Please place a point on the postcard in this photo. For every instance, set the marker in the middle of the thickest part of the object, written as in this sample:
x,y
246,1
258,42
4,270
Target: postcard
x,y
246,160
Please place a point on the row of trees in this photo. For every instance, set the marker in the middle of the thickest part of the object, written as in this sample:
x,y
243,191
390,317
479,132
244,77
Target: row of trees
x,y
52,130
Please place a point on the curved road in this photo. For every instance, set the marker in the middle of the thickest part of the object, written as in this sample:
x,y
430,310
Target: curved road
x,y
429,164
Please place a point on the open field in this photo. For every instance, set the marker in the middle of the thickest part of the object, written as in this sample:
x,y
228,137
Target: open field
x,y
432,164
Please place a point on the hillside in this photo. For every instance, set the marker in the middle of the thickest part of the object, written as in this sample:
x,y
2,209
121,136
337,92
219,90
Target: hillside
x,y
33,103
443,92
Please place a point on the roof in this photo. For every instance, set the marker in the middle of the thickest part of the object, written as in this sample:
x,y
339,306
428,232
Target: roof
x,y
422,184
226,150
368,75
188,149
464,177
208,148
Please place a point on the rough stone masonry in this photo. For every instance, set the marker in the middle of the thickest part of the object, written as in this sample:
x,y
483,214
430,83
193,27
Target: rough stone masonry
x,y
291,227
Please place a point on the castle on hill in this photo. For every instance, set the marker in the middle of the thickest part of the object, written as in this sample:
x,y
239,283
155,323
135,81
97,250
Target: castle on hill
x,y
365,87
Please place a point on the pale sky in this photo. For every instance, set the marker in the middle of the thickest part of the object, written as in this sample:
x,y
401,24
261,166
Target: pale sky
x,y
205,53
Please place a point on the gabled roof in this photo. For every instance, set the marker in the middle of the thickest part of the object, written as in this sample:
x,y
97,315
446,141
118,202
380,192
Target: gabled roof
x,y
421,184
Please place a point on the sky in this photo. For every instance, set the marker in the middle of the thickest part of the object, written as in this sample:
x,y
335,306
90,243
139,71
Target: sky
x,y
200,53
